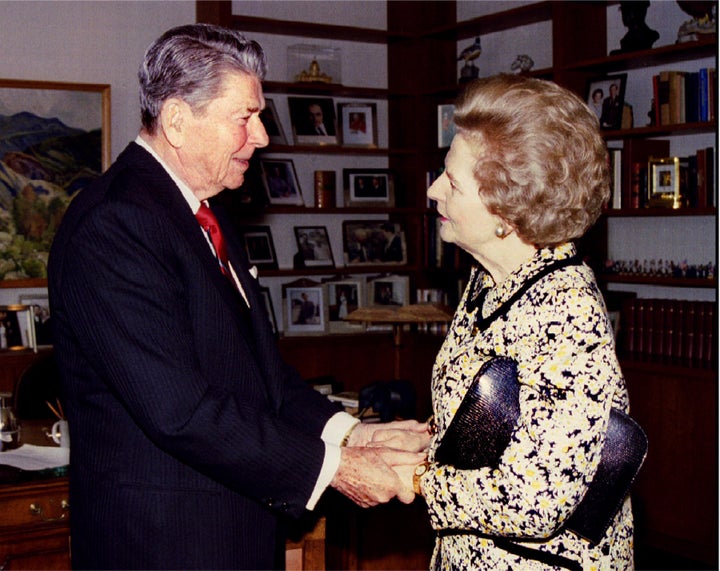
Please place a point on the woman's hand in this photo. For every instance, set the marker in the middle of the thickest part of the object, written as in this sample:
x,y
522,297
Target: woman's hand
x,y
408,435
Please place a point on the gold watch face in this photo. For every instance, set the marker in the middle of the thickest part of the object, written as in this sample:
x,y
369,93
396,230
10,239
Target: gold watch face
x,y
420,469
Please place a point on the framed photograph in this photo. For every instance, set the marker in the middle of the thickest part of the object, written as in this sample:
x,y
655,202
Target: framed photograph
x,y
389,291
259,247
304,308
265,292
40,313
358,124
373,242
314,246
606,97
65,145
342,297
313,120
446,127
16,328
281,182
369,187
664,182
271,121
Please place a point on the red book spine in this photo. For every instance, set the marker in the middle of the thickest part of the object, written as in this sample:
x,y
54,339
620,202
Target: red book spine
x,y
669,330
648,327
640,326
659,327
689,327
629,316
678,329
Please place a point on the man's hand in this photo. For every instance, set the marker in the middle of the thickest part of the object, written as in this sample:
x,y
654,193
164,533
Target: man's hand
x,y
408,435
367,477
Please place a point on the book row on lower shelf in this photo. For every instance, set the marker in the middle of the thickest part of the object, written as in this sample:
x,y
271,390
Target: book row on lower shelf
x,y
680,330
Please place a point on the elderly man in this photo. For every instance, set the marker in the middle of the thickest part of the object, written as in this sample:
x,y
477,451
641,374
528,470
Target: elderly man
x,y
190,434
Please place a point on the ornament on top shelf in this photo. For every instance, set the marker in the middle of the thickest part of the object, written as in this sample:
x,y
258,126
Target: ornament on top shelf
x,y
470,71
313,64
704,20
522,64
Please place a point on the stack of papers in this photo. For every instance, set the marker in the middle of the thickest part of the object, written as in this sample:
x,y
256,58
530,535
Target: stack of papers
x,y
31,457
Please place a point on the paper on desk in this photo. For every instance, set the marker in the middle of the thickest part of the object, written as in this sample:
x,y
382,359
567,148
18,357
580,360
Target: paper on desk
x,y
31,457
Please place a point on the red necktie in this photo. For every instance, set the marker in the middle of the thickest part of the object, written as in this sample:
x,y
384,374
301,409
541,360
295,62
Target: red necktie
x,y
210,224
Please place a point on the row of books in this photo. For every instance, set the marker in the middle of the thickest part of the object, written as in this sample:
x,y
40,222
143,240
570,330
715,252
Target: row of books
x,y
685,96
671,328
631,188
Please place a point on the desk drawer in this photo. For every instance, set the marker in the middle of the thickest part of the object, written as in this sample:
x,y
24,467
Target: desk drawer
x,y
39,503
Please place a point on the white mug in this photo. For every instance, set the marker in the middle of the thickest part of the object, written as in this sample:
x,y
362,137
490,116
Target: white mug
x,y
60,434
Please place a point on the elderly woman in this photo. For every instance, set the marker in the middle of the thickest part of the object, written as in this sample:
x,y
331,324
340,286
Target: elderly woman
x,y
526,174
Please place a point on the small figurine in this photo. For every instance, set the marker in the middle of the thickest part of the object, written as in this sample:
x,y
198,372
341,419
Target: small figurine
x,y
522,64
639,35
469,71
703,20
313,75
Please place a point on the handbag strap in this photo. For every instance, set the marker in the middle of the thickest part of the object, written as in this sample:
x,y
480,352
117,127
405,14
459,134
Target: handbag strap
x,y
481,323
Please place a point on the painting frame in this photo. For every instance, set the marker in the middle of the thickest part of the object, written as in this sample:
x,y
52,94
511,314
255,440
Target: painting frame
x,y
314,249
302,109
304,308
374,242
360,191
664,182
355,294
446,126
70,120
609,115
17,331
259,247
39,303
358,125
388,291
280,181
271,122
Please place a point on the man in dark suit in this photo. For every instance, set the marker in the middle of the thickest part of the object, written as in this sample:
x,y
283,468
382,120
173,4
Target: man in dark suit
x,y
190,435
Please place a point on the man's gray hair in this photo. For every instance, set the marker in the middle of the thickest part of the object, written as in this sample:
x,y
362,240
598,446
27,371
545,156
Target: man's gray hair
x,y
190,62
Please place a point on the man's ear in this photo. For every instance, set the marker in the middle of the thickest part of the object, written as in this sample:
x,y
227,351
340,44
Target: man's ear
x,y
173,121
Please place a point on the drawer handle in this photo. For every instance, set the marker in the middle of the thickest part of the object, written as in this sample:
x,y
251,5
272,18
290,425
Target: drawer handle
x,y
37,510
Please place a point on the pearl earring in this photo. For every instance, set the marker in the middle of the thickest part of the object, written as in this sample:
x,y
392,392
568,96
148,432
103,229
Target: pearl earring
x,y
500,231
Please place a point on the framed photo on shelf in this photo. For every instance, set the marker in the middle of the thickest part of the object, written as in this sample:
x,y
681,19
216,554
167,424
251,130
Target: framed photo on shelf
x,y
373,242
40,313
265,292
358,124
304,308
606,97
314,247
281,182
446,127
59,134
259,247
342,297
369,187
271,122
664,182
389,291
16,328
313,120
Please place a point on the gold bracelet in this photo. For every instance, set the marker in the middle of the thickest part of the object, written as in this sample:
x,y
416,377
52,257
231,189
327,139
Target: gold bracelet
x,y
346,438
418,473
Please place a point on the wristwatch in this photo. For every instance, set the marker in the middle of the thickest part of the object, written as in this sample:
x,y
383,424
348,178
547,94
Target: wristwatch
x,y
419,472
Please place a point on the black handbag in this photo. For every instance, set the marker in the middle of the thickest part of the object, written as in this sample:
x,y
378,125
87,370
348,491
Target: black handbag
x,y
483,424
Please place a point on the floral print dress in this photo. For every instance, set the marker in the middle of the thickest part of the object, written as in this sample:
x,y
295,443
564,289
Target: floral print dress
x,y
559,334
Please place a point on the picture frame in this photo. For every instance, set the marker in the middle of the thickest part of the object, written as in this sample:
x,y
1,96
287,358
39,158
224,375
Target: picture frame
x,y
342,297
389,290
265,292
314,249
281,182
373,242
664,182
308,113
369,187
606,98
66,129
272,124
446,126
259,247
39,305
304,308
17,331
358,124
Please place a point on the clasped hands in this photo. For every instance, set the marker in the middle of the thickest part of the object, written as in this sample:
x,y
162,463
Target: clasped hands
x,y
378,461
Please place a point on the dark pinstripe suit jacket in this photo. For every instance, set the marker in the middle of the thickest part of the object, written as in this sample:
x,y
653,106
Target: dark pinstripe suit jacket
x,y
190,435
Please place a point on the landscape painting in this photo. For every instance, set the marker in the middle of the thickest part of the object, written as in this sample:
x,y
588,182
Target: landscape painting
x,y
54,141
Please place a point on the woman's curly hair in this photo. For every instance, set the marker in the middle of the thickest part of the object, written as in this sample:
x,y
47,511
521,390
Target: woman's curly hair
x,y
541,161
